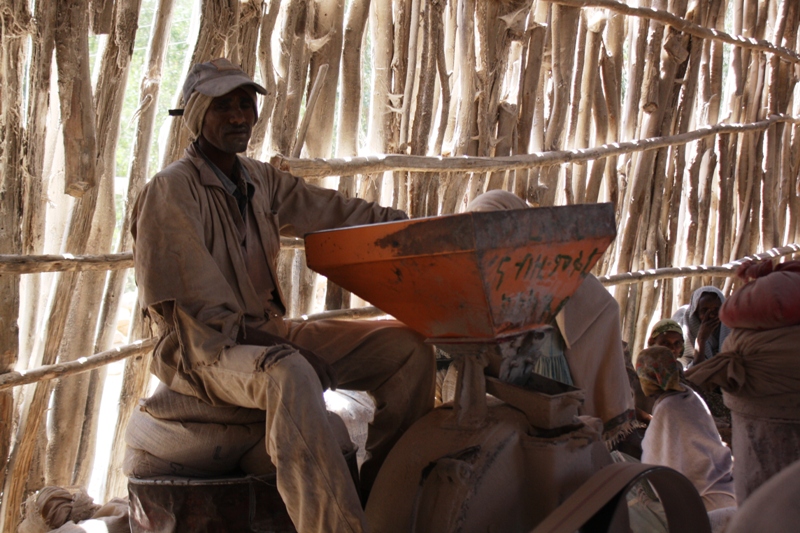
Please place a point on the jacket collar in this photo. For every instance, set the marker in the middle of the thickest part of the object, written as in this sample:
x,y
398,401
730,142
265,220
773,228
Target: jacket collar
x,y
208,176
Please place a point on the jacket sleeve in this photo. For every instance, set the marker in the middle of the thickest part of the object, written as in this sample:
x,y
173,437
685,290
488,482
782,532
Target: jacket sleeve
x,y
302,208
173,262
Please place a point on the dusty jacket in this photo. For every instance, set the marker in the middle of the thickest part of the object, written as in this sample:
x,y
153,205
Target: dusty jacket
x,y
190,268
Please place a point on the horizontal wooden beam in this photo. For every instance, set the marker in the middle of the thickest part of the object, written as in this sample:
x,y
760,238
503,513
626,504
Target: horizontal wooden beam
x,y
320,168
686,26
727,270
35,264
83,364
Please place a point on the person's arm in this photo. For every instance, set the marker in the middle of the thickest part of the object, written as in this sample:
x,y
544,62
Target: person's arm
x,y
707,328
303,208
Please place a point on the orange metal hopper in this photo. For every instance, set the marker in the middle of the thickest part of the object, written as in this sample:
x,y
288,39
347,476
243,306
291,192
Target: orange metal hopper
x,y
471,276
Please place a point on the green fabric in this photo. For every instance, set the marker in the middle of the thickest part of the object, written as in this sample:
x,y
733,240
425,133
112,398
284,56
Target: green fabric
x,y
665,326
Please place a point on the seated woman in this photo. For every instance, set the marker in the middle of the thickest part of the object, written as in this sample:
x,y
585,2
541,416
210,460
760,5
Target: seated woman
x,y
682,434
703,333
669,334
584,346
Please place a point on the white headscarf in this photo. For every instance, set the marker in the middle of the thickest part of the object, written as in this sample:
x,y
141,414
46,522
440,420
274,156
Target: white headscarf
x,y
496,200
194,112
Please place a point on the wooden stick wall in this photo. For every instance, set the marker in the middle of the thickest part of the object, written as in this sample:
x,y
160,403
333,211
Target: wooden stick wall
x,y
680,112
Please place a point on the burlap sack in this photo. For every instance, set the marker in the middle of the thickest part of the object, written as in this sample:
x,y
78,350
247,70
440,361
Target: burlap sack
x,y
166,404
189,448
173,434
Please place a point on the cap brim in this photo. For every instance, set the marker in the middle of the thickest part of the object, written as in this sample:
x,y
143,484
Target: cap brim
x,y
221,86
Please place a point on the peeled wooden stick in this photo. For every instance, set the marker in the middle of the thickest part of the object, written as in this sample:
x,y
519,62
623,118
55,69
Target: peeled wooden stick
x,y
318,168
726,270
34,264
681,24
82,364
312,101
141,347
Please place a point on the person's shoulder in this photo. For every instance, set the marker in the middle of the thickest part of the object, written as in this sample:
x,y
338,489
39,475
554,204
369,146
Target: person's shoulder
x,y
687,402
182,168
177,175
680,313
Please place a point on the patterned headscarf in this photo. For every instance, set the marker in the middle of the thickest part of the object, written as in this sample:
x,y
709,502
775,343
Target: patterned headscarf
x,y
658,370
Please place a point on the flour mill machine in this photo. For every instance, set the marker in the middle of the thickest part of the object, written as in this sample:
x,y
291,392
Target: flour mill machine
x,y
476,285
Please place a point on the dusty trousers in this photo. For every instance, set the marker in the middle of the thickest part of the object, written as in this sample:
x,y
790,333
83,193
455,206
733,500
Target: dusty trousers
x,y
384,358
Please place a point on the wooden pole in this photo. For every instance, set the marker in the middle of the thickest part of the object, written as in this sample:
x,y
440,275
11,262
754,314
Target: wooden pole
x,y
36,142
13,34
135,381
72,57
268,20
588,94
319,81
292,74
326,37
727,270
215,20
565,21
75,93
317,168
35,264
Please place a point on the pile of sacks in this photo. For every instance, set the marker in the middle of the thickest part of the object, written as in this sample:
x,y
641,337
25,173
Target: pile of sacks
x,y
172,434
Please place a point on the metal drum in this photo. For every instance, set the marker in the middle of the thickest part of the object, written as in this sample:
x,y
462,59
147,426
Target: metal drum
x,y
220,505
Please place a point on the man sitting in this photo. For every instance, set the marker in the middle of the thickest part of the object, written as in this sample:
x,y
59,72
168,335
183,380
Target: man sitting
x,y
206,232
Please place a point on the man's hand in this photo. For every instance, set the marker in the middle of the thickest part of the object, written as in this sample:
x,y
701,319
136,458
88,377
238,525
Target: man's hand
x,y
324,371
707,328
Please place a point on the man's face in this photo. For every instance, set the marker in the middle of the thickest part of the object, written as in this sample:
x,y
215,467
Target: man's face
x,y
229,121
708,306
671,340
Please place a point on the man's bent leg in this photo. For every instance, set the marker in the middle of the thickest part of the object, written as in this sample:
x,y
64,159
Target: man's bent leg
x,y
385,358
312,474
